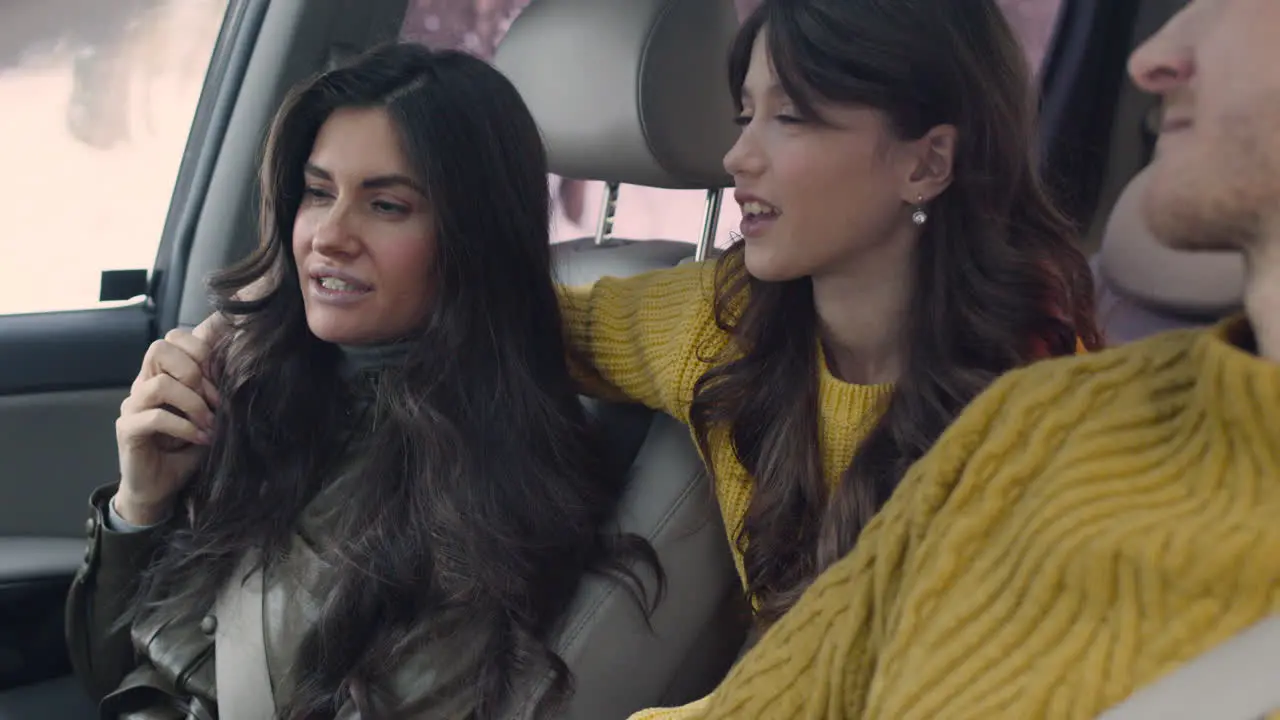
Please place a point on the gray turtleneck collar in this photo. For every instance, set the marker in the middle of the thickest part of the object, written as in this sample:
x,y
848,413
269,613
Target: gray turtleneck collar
x,y
371,358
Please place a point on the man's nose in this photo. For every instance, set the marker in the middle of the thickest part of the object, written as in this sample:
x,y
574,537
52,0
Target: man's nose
x,y
1164,63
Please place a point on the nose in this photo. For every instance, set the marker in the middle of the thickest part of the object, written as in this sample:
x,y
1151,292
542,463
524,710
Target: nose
x,y
1165,62
744,158
334,235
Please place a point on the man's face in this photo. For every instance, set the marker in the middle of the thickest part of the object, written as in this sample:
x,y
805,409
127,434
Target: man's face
x,y
1215,180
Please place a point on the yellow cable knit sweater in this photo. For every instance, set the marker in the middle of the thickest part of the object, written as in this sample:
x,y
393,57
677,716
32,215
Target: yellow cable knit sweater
x,y
649,337
1085,527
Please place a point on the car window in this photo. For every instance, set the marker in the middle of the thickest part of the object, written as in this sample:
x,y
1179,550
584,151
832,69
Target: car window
x,y
642,213
99,97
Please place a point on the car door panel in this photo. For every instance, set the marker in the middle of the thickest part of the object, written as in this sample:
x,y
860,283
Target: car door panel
x,y
62,379
63,375
48,475
59,699
72,350
34,576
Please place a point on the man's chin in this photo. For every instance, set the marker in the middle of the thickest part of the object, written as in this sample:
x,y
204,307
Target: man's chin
x,y
1188,231
1166,212
1181,209
1183,221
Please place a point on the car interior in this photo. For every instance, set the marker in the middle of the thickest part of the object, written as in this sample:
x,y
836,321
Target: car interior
x,y
625,92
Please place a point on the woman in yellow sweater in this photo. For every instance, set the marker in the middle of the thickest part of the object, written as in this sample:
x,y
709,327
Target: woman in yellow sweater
x,y
898,254
1088,525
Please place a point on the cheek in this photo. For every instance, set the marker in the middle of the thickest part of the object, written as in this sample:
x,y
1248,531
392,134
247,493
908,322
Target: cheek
x,y
405,267
806,172
835,187
304,224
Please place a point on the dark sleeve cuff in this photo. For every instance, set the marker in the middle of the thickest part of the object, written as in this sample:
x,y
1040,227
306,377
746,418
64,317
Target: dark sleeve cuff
x,y
103,589
116,557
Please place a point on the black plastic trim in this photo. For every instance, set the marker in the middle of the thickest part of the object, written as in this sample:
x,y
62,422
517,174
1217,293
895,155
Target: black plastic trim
x,y
77,350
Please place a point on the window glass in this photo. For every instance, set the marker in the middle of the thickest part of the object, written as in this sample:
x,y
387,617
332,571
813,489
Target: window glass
x,y
98,98
642,213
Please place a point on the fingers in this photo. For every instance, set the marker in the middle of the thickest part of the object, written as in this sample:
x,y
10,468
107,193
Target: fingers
x,y
195,347
184,357
199,349
212,329
164,392
141,427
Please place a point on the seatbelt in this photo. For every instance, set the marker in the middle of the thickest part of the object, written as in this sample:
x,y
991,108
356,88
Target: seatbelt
x,y
1237,680
243,679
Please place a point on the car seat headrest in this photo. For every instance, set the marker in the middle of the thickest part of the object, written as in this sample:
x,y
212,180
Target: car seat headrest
x,y
628,91
1200,284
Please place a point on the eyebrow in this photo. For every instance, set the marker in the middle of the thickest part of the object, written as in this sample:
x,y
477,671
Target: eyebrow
x,y
376,182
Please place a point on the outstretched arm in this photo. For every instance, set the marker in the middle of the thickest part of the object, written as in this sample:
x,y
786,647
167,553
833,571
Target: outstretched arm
x,y
646,338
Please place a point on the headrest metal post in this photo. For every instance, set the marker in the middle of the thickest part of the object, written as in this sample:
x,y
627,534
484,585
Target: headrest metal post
x,y
608,207
709,222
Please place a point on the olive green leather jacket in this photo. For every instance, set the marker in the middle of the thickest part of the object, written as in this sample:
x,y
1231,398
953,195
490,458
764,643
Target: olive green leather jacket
x,y
171,680
164,670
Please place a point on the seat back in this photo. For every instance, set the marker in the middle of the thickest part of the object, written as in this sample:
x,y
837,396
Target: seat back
x,y
633,92
1145,287
628,93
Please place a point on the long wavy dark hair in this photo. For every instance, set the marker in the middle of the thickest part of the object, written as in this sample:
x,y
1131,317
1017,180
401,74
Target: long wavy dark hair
x,y
999,281
482,496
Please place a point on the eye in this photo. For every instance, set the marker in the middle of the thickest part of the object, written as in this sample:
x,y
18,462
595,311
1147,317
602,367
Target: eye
x,y
742,120
787,119
389,208
313,193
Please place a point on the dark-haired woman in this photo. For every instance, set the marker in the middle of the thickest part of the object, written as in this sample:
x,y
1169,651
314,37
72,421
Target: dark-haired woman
x,y
390,494
899,253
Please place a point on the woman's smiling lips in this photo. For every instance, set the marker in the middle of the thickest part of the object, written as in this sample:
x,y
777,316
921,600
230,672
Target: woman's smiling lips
x,y
757,214
334,286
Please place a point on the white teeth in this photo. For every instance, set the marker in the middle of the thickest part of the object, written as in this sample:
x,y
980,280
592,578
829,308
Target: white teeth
x,y
758,208
333,283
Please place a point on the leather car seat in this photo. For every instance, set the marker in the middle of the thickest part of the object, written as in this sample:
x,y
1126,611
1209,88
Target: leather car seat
x,y
634,92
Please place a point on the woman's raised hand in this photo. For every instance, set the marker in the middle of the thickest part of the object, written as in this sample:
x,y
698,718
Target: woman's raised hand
x,y
166,423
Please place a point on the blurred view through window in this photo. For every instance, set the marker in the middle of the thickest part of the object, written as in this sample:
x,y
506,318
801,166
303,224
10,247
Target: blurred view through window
x,y
97,98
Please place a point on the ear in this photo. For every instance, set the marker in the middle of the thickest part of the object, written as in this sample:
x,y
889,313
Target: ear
x,y
933,162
